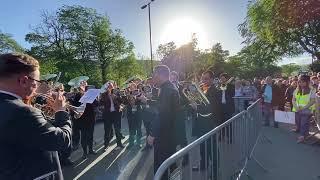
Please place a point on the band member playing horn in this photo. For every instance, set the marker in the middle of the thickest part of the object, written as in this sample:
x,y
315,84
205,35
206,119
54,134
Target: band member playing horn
x,y
86,123
28,141
204,124
111,114
227,91
134,110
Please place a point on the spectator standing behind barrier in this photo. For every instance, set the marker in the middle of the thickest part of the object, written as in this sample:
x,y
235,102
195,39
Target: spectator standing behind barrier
x,y
251,92
303,100
27,139
289,93
238,101
269,94
281,91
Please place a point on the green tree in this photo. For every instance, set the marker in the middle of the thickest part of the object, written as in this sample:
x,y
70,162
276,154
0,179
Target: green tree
x,y
80,41
288,69
165,50
291,27
8,44
126,68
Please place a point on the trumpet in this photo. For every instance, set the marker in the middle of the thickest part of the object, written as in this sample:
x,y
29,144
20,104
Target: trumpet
x,y
44,102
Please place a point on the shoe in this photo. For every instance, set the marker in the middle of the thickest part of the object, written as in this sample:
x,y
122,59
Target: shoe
x,y
84,156
105,148
276,125
66,162
120,145
93,152
122,137
300,139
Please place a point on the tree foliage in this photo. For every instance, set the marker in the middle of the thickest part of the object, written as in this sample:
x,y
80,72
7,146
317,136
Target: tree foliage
x,y
78,41
291,27
289,69
8,44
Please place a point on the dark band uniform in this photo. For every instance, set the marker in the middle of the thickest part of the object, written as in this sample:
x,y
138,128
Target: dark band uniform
x,y
27,139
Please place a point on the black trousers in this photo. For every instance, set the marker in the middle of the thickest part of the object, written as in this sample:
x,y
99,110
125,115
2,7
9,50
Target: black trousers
x,y
112,119
135,123
75,132
147,118
162,151
87,137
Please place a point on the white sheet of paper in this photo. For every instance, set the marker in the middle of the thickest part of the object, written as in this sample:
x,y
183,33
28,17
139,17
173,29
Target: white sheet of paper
x,y
284,117
90,96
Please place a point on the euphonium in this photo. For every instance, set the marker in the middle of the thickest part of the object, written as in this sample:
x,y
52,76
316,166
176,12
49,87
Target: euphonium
x,y
193,93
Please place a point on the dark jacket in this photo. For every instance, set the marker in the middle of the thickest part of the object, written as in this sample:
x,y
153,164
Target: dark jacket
x,y
229,94
105,101
203,125
28,140
163,127
88,116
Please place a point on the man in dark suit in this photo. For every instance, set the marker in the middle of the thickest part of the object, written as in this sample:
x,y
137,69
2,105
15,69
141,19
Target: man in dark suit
x,y
163,135
111,114
28,141
203,125
227,91
86,124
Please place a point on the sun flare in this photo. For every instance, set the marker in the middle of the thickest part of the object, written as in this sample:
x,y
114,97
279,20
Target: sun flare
x,y
180,31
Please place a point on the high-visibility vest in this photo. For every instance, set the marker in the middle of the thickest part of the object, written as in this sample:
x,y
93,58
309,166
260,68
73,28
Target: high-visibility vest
x,y
303,100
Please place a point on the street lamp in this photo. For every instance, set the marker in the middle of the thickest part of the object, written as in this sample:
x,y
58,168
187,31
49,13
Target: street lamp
x,y
143,7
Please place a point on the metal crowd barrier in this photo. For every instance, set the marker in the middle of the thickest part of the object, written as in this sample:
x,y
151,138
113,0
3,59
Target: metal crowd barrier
x,y
316,119
224,151
48,176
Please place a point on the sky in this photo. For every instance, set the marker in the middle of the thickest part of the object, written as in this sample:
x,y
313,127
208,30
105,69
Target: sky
x,y
212,20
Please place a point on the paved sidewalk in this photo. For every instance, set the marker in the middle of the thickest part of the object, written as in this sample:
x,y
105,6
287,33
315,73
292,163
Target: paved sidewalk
x,y
284,158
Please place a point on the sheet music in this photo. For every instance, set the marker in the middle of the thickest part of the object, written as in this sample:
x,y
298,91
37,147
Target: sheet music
x,y
90,96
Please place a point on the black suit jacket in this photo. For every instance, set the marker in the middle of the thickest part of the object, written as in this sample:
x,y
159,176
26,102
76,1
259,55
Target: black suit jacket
x,y
28,141
164,126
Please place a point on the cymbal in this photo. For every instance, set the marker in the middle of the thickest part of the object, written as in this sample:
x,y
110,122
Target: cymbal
x,y
76,81
47,77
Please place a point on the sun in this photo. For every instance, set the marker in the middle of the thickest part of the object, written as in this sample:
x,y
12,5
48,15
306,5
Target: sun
x,y
180,31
